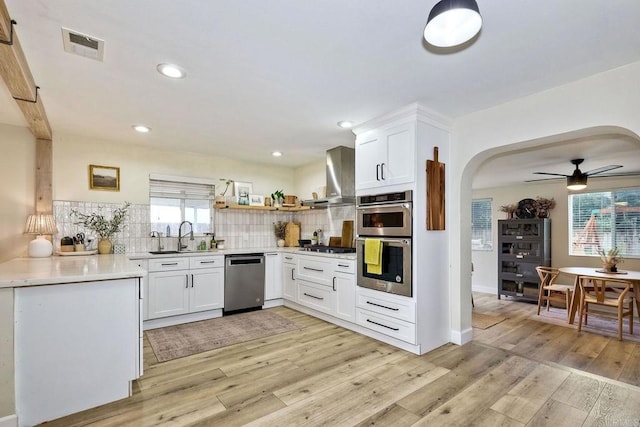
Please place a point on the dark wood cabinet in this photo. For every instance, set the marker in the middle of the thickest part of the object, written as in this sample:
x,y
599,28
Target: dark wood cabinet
x,y
523,244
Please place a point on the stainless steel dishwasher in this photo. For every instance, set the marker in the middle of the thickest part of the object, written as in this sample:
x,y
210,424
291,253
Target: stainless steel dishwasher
x,y
243,282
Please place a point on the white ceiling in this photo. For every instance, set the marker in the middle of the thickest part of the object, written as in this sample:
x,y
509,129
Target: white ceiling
x,y
278,74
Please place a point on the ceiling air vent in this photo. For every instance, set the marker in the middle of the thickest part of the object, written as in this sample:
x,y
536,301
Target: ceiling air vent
x,y
82,44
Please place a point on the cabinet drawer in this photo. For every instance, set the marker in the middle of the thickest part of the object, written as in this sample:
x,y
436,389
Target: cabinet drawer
x,y
289,259
345,266
387,304
168,264
314,269
404,331
316,296
206,261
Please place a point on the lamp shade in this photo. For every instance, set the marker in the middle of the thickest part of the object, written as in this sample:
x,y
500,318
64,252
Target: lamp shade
x,y
40,224
577,182
452,22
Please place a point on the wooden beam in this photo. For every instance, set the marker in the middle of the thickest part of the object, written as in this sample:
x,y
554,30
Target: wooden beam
x,y
44,172
17,76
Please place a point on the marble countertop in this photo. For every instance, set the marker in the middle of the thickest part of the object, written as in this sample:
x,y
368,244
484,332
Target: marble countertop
x,y
21,272
289,250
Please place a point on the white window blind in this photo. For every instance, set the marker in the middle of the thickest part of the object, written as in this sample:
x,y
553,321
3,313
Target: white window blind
x,y
605,220
481,218
181,190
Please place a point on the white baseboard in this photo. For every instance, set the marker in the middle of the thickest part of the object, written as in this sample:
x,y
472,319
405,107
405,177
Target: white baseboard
x,y
9,421
183,318
485,289
463,337
273,303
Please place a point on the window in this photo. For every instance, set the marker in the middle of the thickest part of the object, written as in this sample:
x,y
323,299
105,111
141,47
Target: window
x,y
172,202
605,220
481,235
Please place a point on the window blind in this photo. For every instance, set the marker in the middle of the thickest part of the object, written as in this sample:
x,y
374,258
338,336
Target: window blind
x,y
481,231
181,190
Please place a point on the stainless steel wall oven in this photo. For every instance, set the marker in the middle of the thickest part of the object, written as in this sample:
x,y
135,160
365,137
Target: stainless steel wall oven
x,y
387,218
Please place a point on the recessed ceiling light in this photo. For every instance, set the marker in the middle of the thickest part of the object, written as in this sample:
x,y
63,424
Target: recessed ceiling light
x,y
141,128
172,71
345,124
276,154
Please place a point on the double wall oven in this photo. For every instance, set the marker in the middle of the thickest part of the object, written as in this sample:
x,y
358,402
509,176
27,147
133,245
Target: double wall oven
x,y
387,218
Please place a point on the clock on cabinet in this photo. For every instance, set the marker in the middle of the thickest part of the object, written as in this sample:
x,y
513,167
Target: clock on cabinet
x,y
526,209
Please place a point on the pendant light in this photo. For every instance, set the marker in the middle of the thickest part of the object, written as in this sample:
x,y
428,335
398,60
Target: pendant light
x,y
577,182
452,22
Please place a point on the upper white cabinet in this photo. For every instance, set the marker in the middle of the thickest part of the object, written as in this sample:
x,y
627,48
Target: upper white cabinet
x,y
386,156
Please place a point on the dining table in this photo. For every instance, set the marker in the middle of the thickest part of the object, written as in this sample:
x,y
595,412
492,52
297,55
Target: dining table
x,y
597,273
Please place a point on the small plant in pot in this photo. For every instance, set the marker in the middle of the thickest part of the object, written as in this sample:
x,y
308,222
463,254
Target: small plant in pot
x,y
278,198
610,259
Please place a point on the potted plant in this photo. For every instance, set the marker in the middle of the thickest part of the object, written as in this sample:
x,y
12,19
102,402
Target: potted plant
x,y
610,259
280,230
278,198
509,209
104,228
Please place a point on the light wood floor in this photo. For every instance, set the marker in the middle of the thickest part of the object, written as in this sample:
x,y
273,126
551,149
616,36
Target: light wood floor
x,y
519,372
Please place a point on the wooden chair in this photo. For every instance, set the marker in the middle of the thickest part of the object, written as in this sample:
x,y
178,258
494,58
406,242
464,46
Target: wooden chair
x,y
552,291
610,293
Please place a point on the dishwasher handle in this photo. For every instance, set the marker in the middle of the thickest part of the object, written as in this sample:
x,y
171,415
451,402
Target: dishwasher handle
x,y
231,261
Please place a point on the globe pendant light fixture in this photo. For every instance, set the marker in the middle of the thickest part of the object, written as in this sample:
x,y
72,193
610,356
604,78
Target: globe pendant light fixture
x,y
452,22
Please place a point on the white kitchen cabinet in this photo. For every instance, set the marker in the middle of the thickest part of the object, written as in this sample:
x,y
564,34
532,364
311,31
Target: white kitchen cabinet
x,y
316,269
344,288
168,293
386,157
273,276
318,297
185,285
289,282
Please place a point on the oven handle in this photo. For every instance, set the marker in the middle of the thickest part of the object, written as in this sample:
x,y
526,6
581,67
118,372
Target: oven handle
x,y
405,242
404,205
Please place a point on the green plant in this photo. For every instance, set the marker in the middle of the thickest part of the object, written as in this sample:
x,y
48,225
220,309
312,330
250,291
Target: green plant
x,y
96,222
279,229
228,182
610,257
278,194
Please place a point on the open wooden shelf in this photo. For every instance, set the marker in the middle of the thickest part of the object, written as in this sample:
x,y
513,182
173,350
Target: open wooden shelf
x,y
265,208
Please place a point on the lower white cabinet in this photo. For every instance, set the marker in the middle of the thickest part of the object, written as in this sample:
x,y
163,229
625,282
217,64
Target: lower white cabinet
x,y
344,286
273,276
318,297
289,284
388,314
178,290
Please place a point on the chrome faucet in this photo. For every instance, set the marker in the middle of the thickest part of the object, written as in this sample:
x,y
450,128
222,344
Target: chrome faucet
x,y
180,236
158,235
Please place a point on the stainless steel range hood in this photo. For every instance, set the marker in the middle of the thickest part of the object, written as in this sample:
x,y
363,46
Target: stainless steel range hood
x,y
341,183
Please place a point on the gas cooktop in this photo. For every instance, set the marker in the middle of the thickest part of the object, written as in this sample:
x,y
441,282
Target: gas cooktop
x,y
328,249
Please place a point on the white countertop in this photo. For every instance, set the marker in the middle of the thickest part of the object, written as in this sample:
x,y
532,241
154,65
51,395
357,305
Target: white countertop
x,y
21,272
289,250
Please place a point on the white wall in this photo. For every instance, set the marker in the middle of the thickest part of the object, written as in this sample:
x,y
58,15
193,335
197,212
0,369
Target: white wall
x,y
310,178
588,106
17,192
485,275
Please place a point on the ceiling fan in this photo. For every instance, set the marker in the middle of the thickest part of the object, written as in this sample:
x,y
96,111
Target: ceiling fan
x,y
578,180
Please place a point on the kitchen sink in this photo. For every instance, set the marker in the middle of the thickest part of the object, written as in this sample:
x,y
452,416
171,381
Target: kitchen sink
x,y
163,252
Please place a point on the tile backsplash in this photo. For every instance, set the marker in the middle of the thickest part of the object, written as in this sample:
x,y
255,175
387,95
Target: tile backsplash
x,y
239,228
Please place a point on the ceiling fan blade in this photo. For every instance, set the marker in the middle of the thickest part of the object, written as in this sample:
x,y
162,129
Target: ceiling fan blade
x,y
543,179
549,173
602,169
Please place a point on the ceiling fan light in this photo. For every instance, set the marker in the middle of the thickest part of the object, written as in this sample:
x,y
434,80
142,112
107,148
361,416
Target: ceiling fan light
x,y
575,183
452,22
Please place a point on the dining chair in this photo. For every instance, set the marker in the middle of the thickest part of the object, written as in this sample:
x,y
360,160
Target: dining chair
x,y
552,291
606,292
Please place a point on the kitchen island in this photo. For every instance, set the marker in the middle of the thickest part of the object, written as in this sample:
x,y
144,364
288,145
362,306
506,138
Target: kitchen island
x,y
74,326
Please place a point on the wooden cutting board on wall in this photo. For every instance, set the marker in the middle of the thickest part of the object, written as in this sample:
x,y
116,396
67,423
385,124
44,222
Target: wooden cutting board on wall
x,y
435,193
292,234
347,234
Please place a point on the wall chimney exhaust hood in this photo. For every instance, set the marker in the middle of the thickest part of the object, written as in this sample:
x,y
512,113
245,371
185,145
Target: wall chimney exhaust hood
x,y
341,183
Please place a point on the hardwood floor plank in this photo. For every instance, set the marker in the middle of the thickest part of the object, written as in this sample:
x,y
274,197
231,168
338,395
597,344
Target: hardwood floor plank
x,y
611,360
616,406
579,391
491,418
243,413
586,348
528,396
555,413
391,416
631,372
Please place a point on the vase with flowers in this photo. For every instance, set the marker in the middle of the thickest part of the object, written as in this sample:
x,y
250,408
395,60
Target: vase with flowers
x,y
543,206
509,209
280,230
610,259
104,228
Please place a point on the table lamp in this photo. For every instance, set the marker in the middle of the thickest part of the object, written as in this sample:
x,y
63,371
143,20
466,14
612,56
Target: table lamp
x,y
40,224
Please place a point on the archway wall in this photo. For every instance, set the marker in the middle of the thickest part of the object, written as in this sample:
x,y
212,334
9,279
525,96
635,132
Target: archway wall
x,y
597,104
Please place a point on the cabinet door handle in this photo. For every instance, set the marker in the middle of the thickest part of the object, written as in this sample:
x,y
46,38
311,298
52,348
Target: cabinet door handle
x,y
313,296
313,269
292,270
192,280
378,172
519,256
384,326
288,257
382,171
165,264
383,306
343,265
519,275
207,262
274,255
519,237
334,283
186,276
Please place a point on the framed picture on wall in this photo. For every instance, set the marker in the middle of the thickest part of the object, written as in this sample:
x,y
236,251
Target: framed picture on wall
x,y
104,178
256,200
242,191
